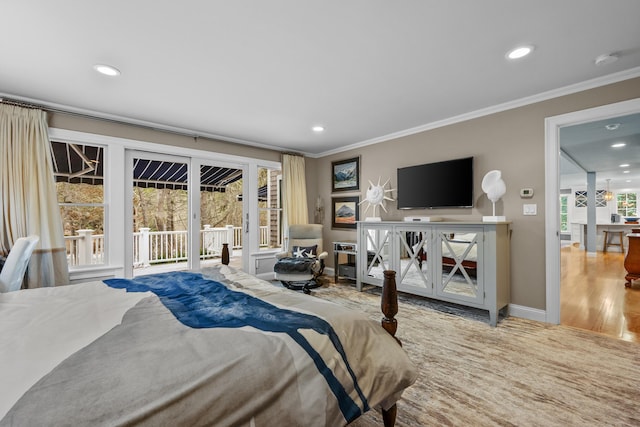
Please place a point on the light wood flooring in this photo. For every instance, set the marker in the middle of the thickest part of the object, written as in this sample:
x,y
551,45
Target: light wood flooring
x,y
593,295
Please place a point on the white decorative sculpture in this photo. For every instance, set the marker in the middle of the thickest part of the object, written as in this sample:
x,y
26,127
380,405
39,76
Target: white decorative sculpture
x,y
375,197
494,186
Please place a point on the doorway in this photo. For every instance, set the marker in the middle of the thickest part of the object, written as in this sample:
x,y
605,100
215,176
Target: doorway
x,y
552,191
183,211
221,208
159,212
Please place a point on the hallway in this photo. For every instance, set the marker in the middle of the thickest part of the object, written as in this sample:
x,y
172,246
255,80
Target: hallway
x,y
593,295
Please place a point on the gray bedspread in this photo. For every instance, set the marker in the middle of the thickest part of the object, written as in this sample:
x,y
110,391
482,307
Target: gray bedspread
x,y
154,370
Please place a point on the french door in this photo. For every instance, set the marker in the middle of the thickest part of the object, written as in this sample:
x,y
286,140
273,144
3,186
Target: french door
x,y
159,209
219,213
182,211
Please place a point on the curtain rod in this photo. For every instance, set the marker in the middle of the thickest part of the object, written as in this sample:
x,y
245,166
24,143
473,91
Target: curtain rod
x,y
290,153
17,103
141,124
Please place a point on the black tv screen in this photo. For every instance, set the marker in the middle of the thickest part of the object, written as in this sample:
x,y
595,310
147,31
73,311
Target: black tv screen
x,y
447,184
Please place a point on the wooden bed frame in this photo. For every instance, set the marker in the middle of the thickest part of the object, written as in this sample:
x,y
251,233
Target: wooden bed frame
x,y
389,306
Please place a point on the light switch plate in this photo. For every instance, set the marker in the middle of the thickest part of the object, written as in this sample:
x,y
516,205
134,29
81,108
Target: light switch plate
x,y
530,209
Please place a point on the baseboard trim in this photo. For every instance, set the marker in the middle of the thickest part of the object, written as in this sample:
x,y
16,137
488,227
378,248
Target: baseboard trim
x,y
527,313
515,310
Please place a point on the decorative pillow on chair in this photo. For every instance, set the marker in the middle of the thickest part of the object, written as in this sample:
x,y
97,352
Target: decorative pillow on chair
x,y
305,251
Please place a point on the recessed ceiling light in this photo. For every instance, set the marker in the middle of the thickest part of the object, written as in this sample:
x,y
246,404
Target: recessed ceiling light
x,y
612,126
618,145
628,180
318,128
107,70
625,165
520,52
625,171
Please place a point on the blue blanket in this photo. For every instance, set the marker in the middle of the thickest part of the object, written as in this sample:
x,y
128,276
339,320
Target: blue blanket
x,y
198,302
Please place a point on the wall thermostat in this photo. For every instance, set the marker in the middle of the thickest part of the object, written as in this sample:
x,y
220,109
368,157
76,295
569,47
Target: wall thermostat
x,y
526,193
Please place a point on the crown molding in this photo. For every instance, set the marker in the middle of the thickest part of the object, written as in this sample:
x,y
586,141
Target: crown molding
x,y
92,114
544,96
555,93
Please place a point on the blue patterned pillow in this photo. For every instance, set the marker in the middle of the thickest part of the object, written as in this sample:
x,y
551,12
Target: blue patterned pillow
x,y
305,251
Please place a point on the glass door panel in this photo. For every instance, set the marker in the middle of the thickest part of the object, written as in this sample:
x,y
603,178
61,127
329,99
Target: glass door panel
x,y
459,265
160,213
378,252
220,214
414,265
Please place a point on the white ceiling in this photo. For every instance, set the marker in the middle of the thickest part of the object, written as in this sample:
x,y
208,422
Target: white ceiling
x,y
264,72
587,148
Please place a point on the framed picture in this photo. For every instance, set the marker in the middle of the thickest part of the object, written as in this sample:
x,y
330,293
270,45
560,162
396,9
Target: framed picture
x,y
345,175
344,212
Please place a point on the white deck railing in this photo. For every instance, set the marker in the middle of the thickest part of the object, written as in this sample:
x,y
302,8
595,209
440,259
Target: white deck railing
x,y
84,249
156,247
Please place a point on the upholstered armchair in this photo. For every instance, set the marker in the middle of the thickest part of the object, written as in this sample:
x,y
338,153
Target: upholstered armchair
x,y
300,266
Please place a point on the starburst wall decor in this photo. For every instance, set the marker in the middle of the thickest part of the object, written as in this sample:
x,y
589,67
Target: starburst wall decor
x,y
376,196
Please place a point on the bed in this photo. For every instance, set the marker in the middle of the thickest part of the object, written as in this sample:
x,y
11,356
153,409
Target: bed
x,y
218,347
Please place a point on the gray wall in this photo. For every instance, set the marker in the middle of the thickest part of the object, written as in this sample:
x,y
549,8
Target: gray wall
x,y
512,141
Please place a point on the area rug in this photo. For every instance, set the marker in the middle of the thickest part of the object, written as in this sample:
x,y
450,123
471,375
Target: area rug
x,y
520,373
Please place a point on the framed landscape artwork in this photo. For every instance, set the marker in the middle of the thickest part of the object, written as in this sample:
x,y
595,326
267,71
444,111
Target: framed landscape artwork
x,y
344,212
345,175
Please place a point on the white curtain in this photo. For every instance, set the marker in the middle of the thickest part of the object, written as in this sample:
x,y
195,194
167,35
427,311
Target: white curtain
x,y
28,194
294,190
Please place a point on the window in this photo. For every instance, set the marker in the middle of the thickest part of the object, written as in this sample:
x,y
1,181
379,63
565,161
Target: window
x,y
220,211
627,204
601,198
581,199
270,208
78,172
564,208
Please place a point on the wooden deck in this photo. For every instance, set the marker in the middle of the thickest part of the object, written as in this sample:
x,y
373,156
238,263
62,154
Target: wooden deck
x,y
235,261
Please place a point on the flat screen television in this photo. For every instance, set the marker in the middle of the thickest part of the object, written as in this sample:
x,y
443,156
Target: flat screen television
x,y
447,184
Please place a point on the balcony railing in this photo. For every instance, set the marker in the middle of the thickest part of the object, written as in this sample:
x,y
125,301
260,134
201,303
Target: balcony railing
x,y
158,247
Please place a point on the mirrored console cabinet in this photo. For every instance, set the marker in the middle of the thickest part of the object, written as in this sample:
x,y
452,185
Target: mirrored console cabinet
x,y
465,263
